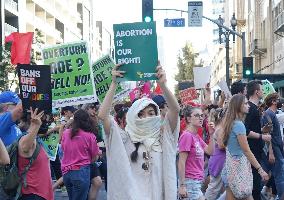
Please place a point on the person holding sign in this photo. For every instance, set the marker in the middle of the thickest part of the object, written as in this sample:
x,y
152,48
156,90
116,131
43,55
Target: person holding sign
x,y
142,156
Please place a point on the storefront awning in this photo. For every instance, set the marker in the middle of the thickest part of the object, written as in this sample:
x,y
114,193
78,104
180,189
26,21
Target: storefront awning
x,y
278,84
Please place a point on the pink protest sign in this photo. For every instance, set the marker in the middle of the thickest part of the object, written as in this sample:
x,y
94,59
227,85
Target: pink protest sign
x,y
188,95
135,93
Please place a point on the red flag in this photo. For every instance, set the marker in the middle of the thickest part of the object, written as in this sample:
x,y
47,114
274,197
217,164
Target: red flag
x,y
21,47
158,90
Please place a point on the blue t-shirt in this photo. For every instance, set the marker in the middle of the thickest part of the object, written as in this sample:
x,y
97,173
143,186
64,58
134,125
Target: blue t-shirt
x,y
233,143
9,132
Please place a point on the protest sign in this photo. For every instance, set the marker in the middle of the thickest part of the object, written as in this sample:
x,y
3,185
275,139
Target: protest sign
x,y
72,81
224,87
50,144
102,76
35,87
135,94
267,88
201,76
188,95
136,47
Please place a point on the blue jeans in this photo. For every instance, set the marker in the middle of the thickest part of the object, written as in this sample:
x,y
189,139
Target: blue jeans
x,y
77,183
277,170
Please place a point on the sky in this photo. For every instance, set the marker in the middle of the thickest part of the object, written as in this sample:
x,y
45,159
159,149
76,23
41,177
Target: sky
x,y
173,39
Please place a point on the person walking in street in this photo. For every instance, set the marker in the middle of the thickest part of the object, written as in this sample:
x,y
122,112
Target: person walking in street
x,y
239,157
255,136
141,158
274,161
80,149
34,187
217,160
191,155
10,111
96,172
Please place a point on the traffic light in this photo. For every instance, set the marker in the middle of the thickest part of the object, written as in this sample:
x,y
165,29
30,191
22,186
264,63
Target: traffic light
x,y
147,10
248,68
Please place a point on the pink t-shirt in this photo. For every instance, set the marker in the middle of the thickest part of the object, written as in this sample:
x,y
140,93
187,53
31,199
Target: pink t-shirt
x,y
194,146
77,151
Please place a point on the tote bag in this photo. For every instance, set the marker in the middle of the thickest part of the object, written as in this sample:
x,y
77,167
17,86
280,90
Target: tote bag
x,y
239,175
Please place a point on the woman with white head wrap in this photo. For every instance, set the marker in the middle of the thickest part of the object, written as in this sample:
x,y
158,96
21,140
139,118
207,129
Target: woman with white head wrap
x,y
141,158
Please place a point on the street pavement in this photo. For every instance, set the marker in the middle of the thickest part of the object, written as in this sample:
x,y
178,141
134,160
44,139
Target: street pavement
x,y
62,195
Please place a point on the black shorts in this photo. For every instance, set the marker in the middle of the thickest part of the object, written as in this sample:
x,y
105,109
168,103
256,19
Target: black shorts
x,y
95,172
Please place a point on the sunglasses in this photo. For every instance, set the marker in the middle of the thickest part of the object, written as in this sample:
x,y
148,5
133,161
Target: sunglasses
x,y
146,164
199,115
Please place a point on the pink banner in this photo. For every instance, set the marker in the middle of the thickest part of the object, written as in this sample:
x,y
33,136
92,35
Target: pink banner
x,y
134,94
188,95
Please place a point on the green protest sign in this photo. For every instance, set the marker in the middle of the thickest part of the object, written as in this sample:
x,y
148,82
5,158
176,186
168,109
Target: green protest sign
x,y
267,88
102,76
50,144
136,47
72,81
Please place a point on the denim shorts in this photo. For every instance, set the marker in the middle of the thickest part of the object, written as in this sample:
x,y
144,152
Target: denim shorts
x,y
193,188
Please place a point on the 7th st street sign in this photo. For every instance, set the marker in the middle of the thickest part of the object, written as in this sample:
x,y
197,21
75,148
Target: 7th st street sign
x,y
180,22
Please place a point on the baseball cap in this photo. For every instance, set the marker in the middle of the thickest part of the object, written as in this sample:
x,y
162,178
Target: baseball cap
x,y
9,97
159,100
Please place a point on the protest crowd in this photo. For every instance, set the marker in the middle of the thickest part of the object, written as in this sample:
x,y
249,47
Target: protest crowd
x,y
148,146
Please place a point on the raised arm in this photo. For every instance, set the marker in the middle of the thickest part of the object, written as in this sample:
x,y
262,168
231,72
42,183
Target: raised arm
x,y
27,142
104,110
173,106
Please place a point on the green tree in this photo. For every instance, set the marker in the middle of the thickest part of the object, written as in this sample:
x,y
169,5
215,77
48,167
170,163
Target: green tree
x,y
6,66
185,64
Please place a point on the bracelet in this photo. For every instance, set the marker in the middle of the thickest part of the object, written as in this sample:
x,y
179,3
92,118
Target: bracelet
x,y
259,169
182,185
260,137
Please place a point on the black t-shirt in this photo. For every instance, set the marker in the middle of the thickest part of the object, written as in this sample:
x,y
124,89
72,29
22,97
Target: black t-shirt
x,y
253,123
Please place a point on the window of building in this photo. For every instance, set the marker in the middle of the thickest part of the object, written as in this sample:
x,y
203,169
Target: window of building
x,y
263,29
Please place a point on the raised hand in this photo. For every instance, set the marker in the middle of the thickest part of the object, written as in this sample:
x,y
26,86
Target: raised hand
x,y
116,73
36,117
161,74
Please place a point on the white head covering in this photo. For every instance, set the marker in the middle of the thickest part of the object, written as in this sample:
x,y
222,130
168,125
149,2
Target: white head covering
x,y
146,130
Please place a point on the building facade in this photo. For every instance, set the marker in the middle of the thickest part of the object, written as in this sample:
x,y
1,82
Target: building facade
x,y
266,36
57,22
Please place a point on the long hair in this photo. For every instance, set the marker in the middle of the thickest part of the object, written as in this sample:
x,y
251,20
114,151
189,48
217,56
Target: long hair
x,y
83,121
233,112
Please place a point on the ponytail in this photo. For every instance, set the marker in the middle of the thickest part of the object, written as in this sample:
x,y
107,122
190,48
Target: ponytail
x,y
134,154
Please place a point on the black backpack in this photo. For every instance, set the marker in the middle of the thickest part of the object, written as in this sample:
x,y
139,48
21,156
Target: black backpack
x,y
10,179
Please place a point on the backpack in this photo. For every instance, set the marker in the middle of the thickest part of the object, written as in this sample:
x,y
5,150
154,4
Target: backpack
x,y
10,179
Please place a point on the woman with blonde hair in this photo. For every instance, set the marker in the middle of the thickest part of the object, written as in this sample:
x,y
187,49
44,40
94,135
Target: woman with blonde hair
x,y
239,157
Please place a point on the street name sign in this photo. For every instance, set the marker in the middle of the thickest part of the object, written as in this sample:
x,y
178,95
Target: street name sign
x,y
195,13
180,22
